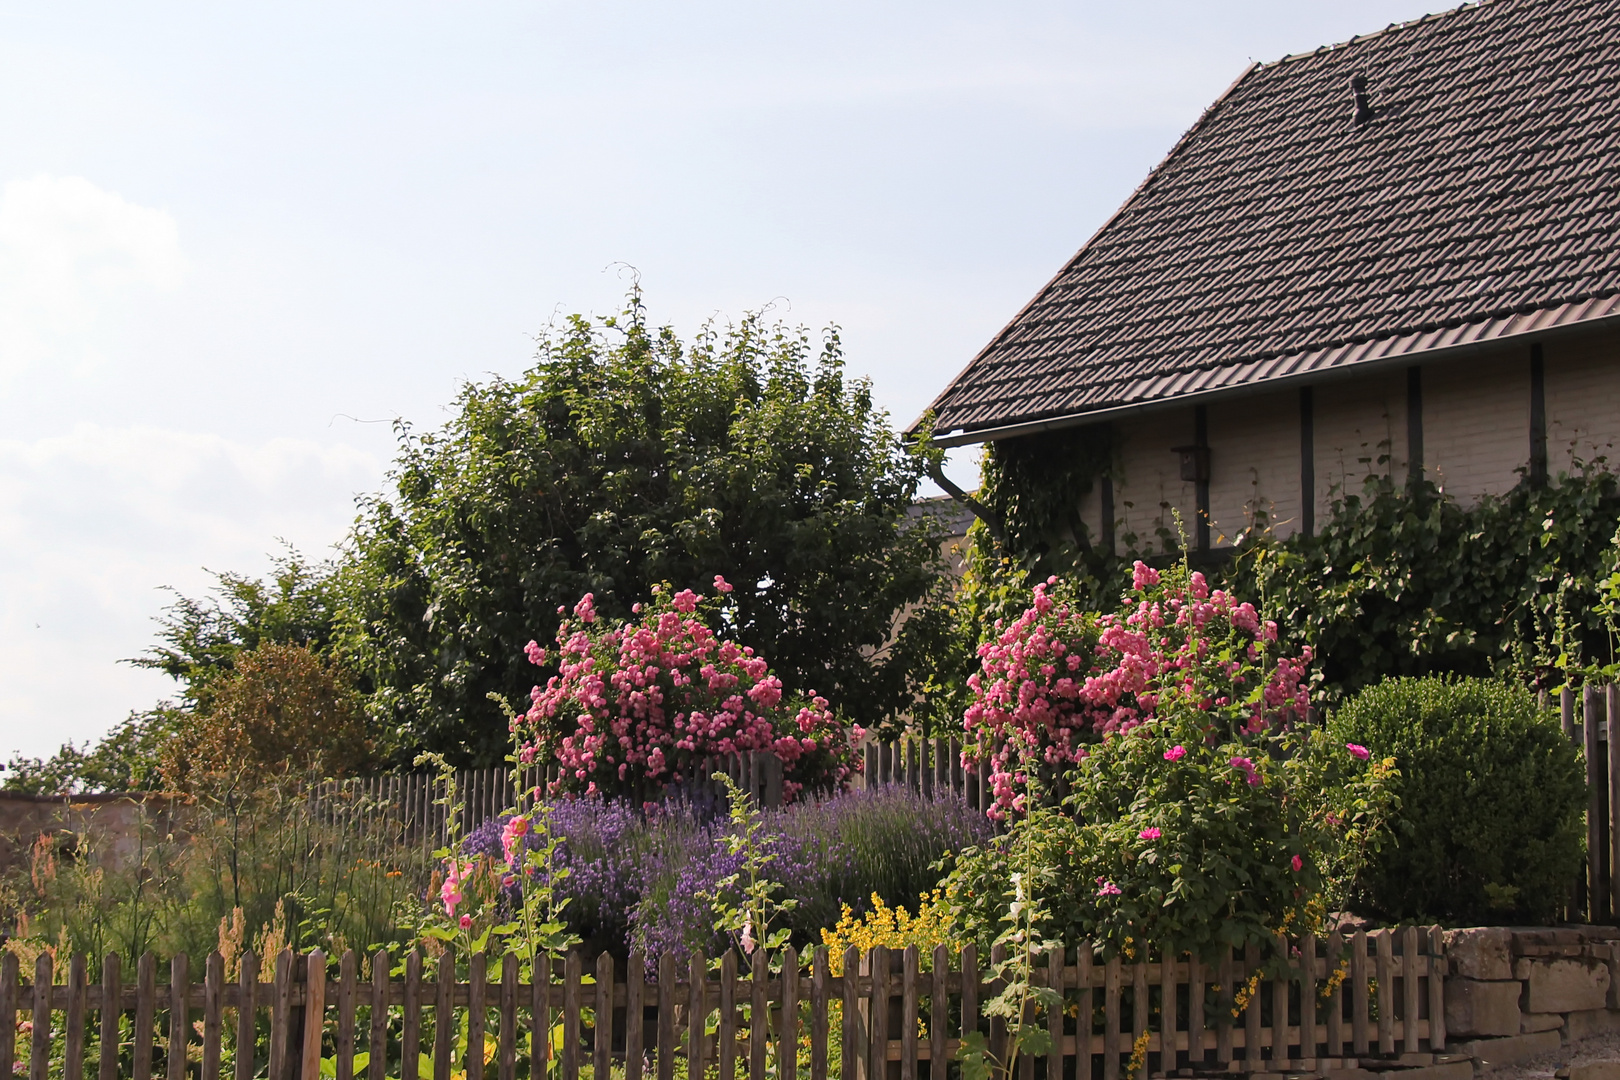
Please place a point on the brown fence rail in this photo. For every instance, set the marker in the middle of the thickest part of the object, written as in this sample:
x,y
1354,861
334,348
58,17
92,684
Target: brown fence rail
x,y
1309,1003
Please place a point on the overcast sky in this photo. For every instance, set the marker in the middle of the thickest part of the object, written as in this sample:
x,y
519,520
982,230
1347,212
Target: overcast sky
x,y
236,240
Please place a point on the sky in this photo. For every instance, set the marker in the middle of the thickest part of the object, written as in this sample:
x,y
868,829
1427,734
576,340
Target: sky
x,y
238,241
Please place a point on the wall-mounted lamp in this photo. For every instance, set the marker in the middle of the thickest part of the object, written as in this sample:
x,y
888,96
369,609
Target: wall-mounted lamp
x,y
1194,463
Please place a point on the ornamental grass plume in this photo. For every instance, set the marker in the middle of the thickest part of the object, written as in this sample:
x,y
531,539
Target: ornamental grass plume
x,y
640,705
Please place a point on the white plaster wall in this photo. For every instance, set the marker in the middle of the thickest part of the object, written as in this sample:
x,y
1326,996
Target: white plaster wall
x,y
1476,423
1148,480
1360,430
1254,465
1582,378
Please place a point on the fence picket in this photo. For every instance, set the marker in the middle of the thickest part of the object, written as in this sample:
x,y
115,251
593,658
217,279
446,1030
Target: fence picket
x,y
787,1055
1360,1037
343,1045
410,1034
1410,972
377,1043
1139,1009
1597,885
314,1015
112,1013
73,1044
1054,1017
726,1053
179,1018
939,1010
697,1013
635,978
759,1014
1385,967
1195,1013
1085,1018
571,990
1307,997
666,1017
1335,1001
1437,990
1279,1002
908,1013
1113,978
854,1029
602,1031
1251,1009
39,1055
477,1015
508,1038
213,1015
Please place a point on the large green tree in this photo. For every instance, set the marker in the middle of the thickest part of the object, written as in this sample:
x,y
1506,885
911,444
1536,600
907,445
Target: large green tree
x,y
624,458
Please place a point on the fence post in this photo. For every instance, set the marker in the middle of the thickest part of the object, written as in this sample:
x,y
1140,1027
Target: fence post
x,y
1596,882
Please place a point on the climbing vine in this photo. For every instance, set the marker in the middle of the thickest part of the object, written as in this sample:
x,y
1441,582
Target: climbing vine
x,y
1398,579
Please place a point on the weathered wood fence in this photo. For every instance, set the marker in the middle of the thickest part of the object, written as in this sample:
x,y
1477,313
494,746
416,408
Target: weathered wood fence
x,y
1306,1003
1585,715
410,804
928,766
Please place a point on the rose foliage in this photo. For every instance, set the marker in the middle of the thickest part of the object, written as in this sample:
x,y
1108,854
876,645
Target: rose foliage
x,y
1058,679
645,703
1198,809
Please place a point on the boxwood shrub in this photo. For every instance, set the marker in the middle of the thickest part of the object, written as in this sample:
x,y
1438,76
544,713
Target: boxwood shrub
x,y
1489,828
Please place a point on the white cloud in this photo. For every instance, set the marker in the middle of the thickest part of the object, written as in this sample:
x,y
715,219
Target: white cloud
x,y
72,254
94,522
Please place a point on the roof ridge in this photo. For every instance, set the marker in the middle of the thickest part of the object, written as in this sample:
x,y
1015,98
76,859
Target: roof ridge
x,y
1391,29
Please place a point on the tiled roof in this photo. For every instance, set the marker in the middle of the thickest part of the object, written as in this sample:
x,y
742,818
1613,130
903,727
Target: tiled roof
x,y
1282,236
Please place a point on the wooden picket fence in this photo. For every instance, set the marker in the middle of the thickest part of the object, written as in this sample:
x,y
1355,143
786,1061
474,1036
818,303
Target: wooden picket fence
x,y
1319,1004
1585,714
929,766
409,805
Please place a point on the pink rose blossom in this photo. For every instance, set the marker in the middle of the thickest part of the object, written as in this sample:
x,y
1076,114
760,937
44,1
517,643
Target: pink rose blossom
x,y
1175,753
1357,750
1149,834
1297,863
1106,887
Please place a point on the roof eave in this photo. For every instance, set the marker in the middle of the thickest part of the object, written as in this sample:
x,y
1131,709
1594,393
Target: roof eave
x,y
1546,326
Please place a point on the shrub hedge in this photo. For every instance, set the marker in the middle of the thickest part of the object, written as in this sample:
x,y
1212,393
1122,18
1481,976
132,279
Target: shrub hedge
x,y
1489,826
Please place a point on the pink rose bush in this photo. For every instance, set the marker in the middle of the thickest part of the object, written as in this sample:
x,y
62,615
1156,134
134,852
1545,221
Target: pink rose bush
x,y
653,701
1194,795
1057,680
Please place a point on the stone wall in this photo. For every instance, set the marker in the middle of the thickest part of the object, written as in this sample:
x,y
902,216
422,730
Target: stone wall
x,y
1518,993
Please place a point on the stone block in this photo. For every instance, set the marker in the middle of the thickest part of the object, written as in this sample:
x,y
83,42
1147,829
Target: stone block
x,y
1457,1070
1565,985
1494,1053
1529,1022
1592,1070
1591,1022
1482,1008
1480,952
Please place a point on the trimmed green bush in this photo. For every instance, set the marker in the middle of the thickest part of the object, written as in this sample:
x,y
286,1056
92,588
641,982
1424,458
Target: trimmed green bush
x,y
1490,823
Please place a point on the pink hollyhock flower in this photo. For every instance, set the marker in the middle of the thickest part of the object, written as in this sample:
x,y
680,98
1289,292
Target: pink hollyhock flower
x,y
1149,834
466,922
512,835
1104,886
748,942
1175,753
1297,863
1358,751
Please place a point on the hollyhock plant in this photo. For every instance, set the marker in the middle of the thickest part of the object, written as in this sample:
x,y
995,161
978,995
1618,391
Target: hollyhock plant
x,y
640,705
1057,680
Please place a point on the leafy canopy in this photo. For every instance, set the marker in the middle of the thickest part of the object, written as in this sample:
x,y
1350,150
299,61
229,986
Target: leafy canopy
x,y
623,459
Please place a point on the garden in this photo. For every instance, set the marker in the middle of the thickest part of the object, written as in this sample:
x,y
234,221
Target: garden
x,y
1159,794
1221,817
